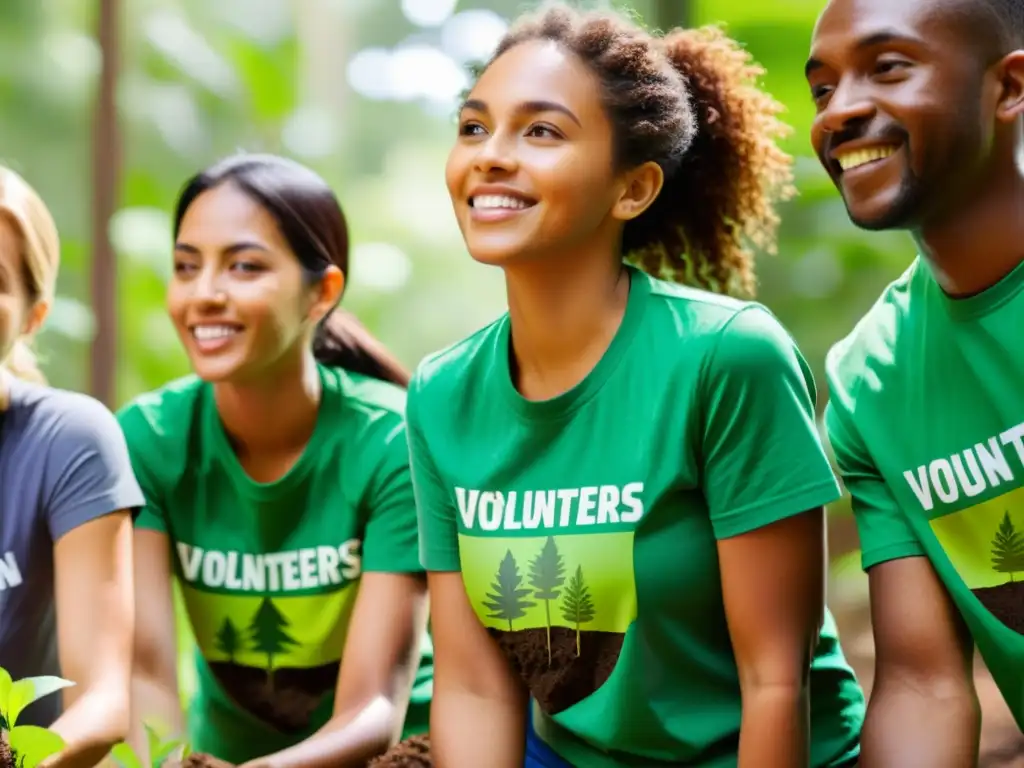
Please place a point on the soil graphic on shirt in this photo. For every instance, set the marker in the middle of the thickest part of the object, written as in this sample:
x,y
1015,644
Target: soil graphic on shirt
x,y
558,607
276,658
985,543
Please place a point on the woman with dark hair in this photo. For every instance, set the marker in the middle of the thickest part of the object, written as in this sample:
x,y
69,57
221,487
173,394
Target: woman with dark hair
x,y
620,481
278,490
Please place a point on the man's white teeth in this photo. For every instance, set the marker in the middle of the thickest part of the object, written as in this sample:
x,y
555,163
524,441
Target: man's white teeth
x,y
211,332
862,156
498,201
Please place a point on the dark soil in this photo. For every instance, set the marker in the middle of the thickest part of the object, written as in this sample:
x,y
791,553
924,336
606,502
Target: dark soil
x,y
6,756
1006,603
287,700
569,678
414,752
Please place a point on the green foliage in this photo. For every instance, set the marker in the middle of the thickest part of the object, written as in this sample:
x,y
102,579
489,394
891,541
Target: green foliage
x,y
125,757
577,606
508,600
160,751
268,635
228,639
16,695
30,743
547,575
1008,548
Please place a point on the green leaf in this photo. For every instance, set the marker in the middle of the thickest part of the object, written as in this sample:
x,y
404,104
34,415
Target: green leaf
x,y
268,76
33,744
29,689
153,740
125,756
5,692
163,752
159,750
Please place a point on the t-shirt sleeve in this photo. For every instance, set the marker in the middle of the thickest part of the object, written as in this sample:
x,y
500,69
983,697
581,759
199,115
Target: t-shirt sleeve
x,y
140,439
390,543
88,472
884,531
761,452
438,527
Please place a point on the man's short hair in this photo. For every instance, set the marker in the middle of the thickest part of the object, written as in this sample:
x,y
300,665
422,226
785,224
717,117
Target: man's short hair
x,y
1010,17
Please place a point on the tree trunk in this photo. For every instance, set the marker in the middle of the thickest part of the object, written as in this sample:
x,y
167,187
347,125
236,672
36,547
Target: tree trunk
x,y
547,612
106,171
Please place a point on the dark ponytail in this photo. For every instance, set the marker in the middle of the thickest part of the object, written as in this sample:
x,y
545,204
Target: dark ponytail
x,y
690,102
311,220
341,341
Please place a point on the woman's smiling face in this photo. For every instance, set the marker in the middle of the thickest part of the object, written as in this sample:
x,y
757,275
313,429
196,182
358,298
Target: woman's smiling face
x,y
531,172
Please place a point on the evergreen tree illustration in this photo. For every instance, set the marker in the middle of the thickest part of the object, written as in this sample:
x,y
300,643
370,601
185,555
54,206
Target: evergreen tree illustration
x,y
228,639
508,600
267,635
547,575
577,607
1008,548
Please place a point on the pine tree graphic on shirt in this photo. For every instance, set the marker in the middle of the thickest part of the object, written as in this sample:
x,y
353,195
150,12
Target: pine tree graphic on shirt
x,y
547,575
985,545
268,635
228,639
1008,549
562,620
508,599
577,607
275,656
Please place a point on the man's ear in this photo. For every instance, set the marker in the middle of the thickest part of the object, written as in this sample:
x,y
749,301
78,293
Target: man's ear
x,y
640,187
1011,100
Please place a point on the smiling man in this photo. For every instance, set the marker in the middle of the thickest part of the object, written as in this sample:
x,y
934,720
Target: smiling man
x,y
920,123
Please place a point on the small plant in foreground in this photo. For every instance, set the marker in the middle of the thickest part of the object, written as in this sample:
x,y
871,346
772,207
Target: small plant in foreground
x,y
160,751
30,745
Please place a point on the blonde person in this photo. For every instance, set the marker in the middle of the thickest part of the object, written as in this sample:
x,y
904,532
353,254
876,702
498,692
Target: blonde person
x,y
66,495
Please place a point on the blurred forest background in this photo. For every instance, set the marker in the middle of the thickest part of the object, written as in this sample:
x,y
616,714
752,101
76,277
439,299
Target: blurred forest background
x,y
364,91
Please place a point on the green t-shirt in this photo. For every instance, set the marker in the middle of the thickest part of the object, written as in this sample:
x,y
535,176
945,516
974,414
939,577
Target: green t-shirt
x,y
926,418
270,571
585,526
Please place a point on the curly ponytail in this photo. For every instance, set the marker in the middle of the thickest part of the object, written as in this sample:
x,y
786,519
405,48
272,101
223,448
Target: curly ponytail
x,y
688,101
722,198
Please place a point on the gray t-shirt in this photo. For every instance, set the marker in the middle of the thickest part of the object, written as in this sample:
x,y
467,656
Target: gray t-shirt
x,y
63,462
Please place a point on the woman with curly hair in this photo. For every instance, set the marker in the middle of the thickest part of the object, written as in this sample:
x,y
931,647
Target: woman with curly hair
x,y
620,482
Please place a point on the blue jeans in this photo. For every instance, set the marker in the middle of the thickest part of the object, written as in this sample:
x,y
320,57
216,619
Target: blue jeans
x,y
539,754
